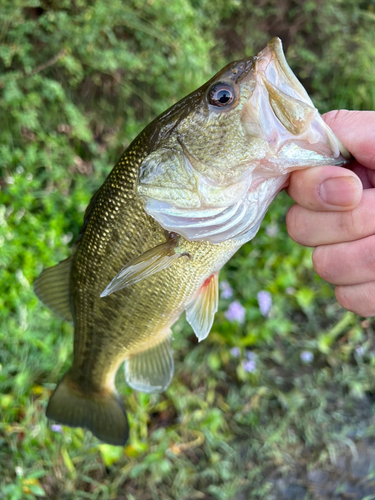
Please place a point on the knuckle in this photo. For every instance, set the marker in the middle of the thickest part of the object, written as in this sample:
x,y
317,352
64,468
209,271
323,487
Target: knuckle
x,y
372,155
322,263
350,225
301,226
359,219
369,253
300,187
293,224
359,226
359,300
344,298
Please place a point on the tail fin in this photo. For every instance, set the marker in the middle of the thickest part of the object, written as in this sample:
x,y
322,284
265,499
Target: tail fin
x,y
104,415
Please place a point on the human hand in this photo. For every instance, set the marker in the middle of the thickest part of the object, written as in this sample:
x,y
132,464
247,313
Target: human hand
x,y
335,212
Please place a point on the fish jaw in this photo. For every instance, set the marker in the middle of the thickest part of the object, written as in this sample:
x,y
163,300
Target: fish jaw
x,y
277,130
281,113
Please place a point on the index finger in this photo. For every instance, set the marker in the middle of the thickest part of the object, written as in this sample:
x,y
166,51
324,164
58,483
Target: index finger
x,y
356,130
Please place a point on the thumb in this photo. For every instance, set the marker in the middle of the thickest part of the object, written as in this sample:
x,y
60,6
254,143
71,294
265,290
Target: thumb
x,y
325,188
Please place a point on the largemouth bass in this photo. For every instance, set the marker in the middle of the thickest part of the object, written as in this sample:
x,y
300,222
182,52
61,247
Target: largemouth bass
x,y
187,193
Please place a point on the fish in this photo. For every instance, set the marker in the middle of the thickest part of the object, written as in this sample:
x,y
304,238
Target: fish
x,y
187,193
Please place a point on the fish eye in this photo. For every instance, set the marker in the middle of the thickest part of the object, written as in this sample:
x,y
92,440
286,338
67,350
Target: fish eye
x,y
221,95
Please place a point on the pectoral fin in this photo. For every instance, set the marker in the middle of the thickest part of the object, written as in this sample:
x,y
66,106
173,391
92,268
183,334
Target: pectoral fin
x,y
151,370
147,264
200,312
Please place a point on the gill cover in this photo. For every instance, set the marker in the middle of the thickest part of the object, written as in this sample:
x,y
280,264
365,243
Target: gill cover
x,y
214,176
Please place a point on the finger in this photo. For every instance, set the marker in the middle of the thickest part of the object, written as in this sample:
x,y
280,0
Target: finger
x,y
346,263
366,175
325,188
356,130
312,229
359,299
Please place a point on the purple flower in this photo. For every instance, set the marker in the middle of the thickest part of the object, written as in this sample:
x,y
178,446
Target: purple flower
x,y
56,428
235,312
235,351
249,365
265,302
360,350
307,356
250,355
226,290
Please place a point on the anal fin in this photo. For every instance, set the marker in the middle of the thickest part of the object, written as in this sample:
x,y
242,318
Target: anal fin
x,y
151,370
147,264
52,288
200,312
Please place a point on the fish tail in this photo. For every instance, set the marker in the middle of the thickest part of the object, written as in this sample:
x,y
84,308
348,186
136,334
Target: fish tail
x,y
102,413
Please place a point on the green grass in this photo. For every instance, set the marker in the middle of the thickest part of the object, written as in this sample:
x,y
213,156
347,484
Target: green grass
x,y
78,81
218,430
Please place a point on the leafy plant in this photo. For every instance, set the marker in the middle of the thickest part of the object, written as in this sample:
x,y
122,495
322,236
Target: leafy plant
x,y
78,81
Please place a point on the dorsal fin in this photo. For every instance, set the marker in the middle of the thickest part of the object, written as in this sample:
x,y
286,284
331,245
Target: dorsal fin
x,y
52,288
200,312
147,264
87,215
152,369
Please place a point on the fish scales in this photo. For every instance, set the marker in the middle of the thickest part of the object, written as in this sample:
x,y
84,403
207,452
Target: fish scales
x,y
102,323
189,191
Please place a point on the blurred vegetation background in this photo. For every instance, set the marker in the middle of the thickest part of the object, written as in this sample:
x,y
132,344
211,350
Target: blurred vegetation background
x,y
275,404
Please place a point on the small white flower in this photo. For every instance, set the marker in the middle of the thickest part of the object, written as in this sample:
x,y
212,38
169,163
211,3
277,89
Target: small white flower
x,y
272,230
307,356
19,471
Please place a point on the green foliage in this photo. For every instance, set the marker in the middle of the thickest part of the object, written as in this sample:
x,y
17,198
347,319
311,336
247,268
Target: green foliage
x,y
329,45
78,81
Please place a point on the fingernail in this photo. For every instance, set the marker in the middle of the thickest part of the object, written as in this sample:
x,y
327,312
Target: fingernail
x,y
341,191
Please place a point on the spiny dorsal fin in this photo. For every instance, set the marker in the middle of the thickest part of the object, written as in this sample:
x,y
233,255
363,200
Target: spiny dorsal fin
x,y
150,262
152,369
52,288
200,312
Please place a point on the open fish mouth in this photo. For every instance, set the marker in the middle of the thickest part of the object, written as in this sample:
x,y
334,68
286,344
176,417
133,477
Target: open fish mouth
x,y
281,112
279,72
282,130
